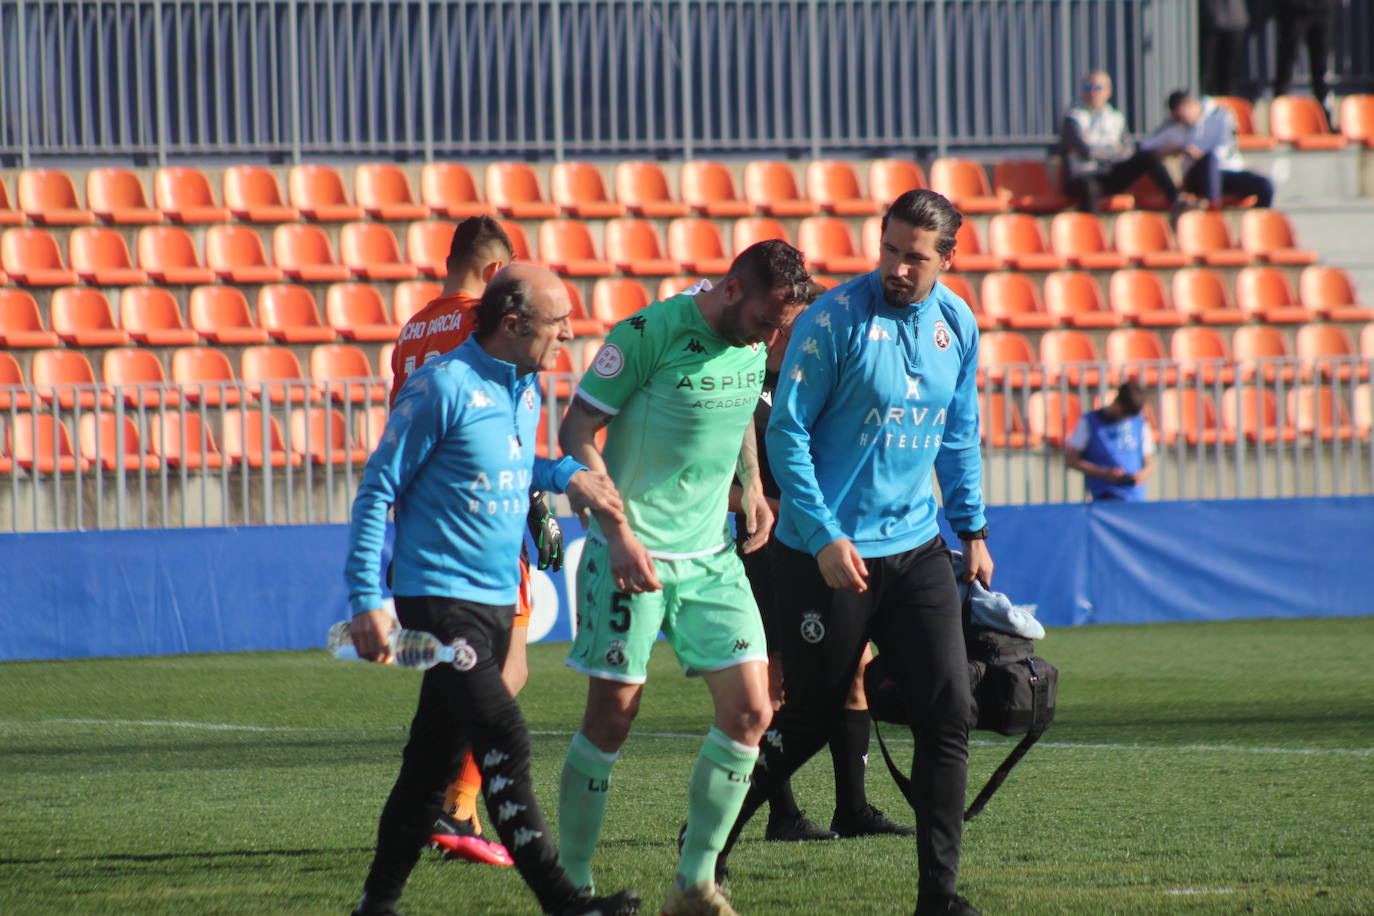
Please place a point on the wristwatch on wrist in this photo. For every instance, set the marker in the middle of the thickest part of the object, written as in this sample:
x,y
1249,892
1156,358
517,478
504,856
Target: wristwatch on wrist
x,y
980,535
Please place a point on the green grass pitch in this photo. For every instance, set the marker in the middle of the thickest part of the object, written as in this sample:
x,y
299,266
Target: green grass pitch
x,y
1194,768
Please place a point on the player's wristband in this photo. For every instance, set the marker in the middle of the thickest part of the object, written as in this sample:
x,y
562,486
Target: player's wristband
x,y
980,535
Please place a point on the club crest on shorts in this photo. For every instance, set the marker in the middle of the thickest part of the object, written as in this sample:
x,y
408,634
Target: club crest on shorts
x,y
812,630
464,655
615,655
942,336
609,361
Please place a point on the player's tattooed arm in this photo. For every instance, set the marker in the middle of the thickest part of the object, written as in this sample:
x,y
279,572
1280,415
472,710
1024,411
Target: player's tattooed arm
x,y
755,515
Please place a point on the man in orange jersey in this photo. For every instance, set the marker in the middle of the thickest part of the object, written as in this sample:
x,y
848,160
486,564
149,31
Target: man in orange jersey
x,y
480,248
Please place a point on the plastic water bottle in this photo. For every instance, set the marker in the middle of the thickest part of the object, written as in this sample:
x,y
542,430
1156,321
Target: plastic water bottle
x,y
409,648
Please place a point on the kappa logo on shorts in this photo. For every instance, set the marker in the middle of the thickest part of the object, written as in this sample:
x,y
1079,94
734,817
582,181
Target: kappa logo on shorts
x,y
741,645
812,630
609,361
464,655
942,336
615,655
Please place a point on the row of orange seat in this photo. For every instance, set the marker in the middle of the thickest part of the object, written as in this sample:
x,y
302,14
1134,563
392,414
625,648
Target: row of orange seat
x,y
1300,121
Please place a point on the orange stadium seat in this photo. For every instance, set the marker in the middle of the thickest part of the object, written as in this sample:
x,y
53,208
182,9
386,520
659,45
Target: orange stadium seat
x,y
1201,353
184,194
449,190
753,229
358,312
205,375
1137,353
151,316
1081,239
278,371
669,287
1051,416
1205,238
110,442
1326,351
1254,414
303,253
341,370
1012,300
614,300
1328,292
771,187
961,287
1074,297
1026,184
288,312
1138,296
579,191
889,179
242,434
1005,358
136,375
633,246
969,254
321,434
965,183
709,189
834,186
1200,294
1070,356
252,193
236,254
383,190
1247,137
513,188
168,255
566,246
117,196
8,215
1017,239
697,243
370,251
1260,351
871,238
1299,120
21,325
220,314
100,256
519,242
368,425
427,246
13,391
81,316
1357,119
1267,235
42,443
828,245
48,197
1001,422
1190,415
1144,238
318,192
184,441
583,325
1363,399
31,257
643,188
1318,412
66,376
411,296
1265,293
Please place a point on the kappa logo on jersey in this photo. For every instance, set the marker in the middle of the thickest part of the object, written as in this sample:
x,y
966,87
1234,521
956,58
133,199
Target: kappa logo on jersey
x,y
798,375
823,319
637,322
508,810
496,785
524,836
464,655
774,739
810,347
513,447
843,299
694,346
615,654
479,399
942,336
494,758
812,630
878,332
913,387
609,361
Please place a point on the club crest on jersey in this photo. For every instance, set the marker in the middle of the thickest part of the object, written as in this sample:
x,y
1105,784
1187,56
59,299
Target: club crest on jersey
x,y
529,399
812,630
464,655
615,655
609,361
942,336
479,398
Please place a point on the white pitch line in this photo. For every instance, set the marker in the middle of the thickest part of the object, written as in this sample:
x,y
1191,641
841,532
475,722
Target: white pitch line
x,y
1189,891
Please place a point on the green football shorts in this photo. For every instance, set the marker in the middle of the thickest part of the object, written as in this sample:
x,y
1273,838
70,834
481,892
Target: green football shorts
x,y
705,609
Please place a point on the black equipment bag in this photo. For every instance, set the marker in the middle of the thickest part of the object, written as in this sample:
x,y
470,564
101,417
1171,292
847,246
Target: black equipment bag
x,y
1014,692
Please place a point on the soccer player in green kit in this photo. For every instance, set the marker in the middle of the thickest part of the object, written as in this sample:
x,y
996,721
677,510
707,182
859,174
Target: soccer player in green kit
x,y
676,385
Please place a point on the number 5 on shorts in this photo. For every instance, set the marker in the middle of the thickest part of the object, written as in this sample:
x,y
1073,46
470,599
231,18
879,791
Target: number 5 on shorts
x,y
620,612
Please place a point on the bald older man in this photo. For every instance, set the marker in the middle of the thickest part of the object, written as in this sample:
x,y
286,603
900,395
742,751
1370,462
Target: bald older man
x,y
457,461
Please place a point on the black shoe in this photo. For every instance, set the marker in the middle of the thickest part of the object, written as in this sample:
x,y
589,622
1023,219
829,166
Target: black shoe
x,y
366,907
944,905
625,903
869,822
798,829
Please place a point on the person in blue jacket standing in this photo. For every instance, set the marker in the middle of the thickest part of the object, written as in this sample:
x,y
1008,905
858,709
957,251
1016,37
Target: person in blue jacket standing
x,y
1114,447
457,461
877,389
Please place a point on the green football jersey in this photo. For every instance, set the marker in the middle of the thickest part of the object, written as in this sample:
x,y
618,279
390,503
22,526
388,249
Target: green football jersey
x,y
682,398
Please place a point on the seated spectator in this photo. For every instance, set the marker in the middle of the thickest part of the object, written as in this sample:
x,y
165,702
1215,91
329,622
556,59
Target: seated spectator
x,y
1204,134
1097,158
1114,447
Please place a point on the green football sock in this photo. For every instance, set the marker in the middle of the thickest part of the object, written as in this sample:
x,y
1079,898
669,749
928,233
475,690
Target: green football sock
x,y
720,780
582,792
